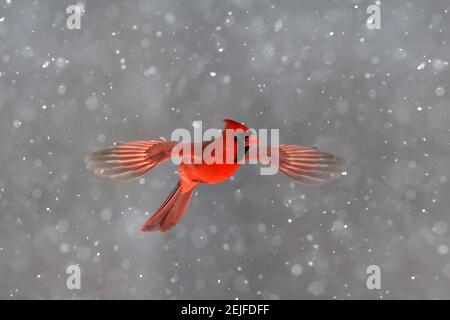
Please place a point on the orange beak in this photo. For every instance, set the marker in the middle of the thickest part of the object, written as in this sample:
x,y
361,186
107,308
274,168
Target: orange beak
x,y
252,141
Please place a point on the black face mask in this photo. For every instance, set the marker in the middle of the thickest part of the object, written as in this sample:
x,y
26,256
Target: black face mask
x,y
239,144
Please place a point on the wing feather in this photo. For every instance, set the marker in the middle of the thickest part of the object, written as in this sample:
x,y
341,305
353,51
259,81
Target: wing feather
x,y
126,161
304,164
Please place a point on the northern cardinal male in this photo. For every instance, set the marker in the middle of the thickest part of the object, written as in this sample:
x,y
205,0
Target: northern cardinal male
x,y
127,161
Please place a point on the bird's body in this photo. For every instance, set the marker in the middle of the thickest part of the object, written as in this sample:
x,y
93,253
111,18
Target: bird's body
x,y
215,172
130,160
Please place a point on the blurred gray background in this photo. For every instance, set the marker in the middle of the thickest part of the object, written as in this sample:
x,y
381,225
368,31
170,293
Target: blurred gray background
x,y
139,69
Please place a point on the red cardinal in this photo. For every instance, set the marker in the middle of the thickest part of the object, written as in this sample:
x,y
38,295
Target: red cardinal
x,y
127,161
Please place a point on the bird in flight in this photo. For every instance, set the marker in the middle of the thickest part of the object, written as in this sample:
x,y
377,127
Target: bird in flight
x,y
126,161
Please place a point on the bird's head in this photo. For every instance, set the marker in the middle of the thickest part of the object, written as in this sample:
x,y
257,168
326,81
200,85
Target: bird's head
x,y
234,125
242,132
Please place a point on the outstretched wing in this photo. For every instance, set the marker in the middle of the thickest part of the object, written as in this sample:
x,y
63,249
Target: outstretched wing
x,y
304,164
126,161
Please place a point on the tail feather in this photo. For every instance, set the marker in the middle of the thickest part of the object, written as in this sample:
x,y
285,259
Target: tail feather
x,y
170,212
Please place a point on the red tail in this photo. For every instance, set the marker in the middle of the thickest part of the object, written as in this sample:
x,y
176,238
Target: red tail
x,y
170,212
